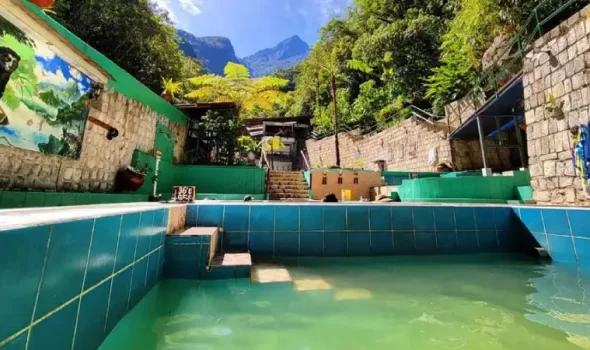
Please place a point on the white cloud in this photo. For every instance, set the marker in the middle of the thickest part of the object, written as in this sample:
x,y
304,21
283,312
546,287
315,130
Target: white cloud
x,y
56,78
193,7
329,9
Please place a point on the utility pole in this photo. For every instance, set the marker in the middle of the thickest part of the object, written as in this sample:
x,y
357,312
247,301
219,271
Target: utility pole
x,y
336,142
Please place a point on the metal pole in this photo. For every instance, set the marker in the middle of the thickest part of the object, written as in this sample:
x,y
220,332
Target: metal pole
x,y
520,143
481,142
498,129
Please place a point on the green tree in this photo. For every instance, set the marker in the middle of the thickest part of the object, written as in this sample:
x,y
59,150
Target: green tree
x,y
136,35
251,96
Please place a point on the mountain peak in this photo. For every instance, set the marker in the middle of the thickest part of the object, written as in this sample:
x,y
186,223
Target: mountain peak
x,y
214,51
284,55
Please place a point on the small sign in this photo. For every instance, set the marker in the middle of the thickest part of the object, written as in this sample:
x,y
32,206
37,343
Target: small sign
x,y
184,193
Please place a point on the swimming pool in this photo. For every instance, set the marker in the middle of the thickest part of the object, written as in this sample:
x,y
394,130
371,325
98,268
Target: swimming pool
x,y
437,302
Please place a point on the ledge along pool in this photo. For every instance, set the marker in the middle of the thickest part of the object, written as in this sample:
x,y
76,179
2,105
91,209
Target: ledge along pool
x,y
485,301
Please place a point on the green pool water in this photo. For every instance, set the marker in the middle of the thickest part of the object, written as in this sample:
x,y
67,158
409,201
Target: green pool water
x,y
457,302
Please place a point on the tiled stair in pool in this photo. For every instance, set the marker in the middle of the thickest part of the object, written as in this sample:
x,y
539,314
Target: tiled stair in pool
x,y
194,254
66,284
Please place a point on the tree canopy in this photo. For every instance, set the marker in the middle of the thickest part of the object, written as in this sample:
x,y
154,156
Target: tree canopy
x,y
136,35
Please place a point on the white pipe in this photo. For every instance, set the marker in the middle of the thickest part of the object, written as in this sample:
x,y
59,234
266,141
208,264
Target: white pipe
x,y
158,158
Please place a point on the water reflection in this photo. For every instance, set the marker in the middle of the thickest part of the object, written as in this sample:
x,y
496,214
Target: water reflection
x,y
560,301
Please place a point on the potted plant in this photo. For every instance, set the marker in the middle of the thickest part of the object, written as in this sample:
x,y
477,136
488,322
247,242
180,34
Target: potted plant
x,y
131,178
171,89
44,4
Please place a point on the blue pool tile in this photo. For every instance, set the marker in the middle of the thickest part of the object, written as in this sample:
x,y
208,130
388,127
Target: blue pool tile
x,y
160,226
236,218
121,284
192,213
579,220
103,249
464,218
16,304
358,218
541,240
286,218
162,259
19,343
484,218
447,241
218,273
261,244
467,241
425,242
235,241
127,240
138,287
56,332
582,246
311,218
66,262
402,219
444,218
242,271
380,218
488,240
381,243
210,216
335,243
287,244
531,218
146,230
556,221
403,242
182,261
359,243
335,218
424,218
262,218
561,249
505,218
311,243
165,224
92,318
152,272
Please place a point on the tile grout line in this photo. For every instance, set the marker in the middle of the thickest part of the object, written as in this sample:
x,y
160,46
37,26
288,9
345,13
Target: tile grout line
x,y
545,232
65,304
134,261
299,233
391,230
435,228
249,224
39,287
476,229
456,229
83,284
496,228
567,215
370,230
112,272
414,229
147,268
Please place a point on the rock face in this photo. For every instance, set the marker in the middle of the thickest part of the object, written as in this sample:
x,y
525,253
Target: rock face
x,y
285,55
214,51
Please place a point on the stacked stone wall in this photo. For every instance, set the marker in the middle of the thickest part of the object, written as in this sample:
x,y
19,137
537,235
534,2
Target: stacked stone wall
x,y
559,66
100,159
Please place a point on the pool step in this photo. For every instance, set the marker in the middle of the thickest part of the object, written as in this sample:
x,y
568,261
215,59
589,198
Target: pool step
x,y
265,273
228,266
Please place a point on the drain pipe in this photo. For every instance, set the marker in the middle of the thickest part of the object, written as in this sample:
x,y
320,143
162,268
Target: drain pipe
x,y
155,196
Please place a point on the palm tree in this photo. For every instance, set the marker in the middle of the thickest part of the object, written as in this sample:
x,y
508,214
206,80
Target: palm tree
x,y
236,86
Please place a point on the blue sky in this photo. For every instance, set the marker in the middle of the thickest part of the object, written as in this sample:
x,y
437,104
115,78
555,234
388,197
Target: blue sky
x,y
253,25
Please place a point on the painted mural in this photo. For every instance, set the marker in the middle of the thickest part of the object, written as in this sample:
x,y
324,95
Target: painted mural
x,y
43,100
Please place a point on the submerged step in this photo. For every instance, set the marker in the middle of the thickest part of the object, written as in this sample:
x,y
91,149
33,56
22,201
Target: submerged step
x,y
232,259
270,274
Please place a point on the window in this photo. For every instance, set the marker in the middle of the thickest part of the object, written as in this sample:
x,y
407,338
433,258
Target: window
x,y
324,180
356,180
339,181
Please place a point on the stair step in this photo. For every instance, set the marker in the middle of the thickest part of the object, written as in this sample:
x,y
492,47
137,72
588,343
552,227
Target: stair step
x,y
232,259
270,274
210,232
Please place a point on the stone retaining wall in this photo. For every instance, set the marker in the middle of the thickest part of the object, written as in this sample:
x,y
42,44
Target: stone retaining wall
x,y
100,158
565,74
404,147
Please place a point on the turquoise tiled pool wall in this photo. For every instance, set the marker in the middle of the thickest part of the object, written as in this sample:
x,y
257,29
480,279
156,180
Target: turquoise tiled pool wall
x,y
283,230
563,232
66,285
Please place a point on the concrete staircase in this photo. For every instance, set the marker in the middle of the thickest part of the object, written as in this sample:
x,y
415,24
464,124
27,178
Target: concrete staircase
x,y
287,185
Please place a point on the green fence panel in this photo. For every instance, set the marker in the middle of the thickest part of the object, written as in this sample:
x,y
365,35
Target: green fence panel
x,y
222,179
492,188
